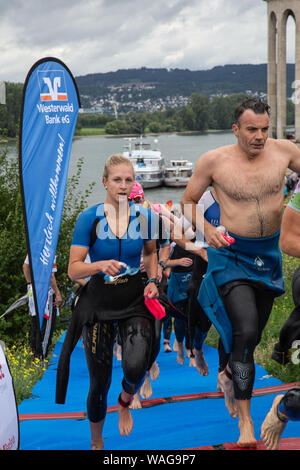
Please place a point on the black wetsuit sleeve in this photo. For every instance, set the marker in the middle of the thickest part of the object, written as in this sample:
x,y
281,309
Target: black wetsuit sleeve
x,y
62,377
80,316
178,253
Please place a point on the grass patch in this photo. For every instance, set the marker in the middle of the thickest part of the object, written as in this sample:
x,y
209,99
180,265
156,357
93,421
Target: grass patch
x,y
87,131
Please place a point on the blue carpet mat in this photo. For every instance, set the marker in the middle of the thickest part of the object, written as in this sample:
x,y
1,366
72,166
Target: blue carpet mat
x,y
172,426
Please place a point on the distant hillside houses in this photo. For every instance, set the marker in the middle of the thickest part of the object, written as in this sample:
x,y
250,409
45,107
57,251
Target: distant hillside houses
x,y
148,90
113,102
120,105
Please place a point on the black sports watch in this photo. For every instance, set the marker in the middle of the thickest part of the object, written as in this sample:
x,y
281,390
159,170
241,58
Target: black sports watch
x,y
163,264
154,280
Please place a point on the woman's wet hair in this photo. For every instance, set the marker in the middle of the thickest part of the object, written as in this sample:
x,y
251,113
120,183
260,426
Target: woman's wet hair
x,y
114,160
257,106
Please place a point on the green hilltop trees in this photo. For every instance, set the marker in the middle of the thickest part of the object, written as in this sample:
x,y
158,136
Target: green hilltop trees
x,y
200,113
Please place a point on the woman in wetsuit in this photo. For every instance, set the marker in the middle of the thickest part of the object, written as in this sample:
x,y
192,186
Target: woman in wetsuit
x,y
115,294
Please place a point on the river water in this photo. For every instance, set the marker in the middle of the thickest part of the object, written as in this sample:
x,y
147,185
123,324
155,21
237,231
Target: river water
x,y
95,151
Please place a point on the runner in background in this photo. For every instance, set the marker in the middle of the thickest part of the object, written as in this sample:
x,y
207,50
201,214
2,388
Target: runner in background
x,y
290,244
54,301
181,264
162,250
286,407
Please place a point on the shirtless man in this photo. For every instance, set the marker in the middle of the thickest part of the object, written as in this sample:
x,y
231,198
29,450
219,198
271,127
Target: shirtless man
x,y
248,178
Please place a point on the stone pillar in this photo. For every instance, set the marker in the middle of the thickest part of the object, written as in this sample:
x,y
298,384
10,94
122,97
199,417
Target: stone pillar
x,y
272,69
297,77
281,78
278,13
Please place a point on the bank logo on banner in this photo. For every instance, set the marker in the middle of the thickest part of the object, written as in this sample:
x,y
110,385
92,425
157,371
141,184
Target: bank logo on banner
x,y
48,119
52,86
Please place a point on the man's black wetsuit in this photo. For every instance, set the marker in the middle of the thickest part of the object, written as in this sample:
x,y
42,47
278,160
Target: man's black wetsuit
x,y
238,290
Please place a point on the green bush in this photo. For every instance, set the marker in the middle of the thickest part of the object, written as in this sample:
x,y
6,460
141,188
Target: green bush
x,y
12,249
14,325
25,369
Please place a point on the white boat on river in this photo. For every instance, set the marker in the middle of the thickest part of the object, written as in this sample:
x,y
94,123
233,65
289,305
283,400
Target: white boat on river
x,y
177,173
148,163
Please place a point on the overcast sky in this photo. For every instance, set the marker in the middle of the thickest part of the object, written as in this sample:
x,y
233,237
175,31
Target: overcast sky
x,y
106,35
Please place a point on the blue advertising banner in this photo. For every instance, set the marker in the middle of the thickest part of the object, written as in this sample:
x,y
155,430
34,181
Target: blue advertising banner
x,y
48,118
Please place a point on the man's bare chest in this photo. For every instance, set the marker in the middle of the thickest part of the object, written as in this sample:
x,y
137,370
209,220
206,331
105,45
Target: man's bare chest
x,y
254,184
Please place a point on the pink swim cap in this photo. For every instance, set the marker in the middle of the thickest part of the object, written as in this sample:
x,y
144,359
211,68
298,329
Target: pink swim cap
x,y
137,190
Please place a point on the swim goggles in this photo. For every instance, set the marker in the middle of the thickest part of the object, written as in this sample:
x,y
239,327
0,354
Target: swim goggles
x,y
137,198
128,272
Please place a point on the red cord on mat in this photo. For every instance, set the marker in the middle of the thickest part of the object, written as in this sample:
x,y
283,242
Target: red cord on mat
x,y
161,401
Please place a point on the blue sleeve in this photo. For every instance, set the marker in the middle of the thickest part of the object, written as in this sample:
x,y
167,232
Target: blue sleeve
x,y
83,227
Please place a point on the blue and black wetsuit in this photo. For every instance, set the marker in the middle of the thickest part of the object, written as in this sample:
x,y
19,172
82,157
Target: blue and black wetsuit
x,y
237,294
177,293
103,305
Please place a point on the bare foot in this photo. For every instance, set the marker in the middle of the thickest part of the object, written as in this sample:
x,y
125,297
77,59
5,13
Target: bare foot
x,y
97,442
125,420
192,362
136,402
154,371
272,427
247,438
167,347
97,445
175,345
146,389
201,364
219,386
226,385
180,353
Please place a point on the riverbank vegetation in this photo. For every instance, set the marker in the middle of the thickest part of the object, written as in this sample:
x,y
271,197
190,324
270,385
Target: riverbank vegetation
x,y
200,114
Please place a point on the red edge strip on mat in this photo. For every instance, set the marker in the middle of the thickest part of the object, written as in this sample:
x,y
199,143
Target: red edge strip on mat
x,y
35,416
159,401
290,443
